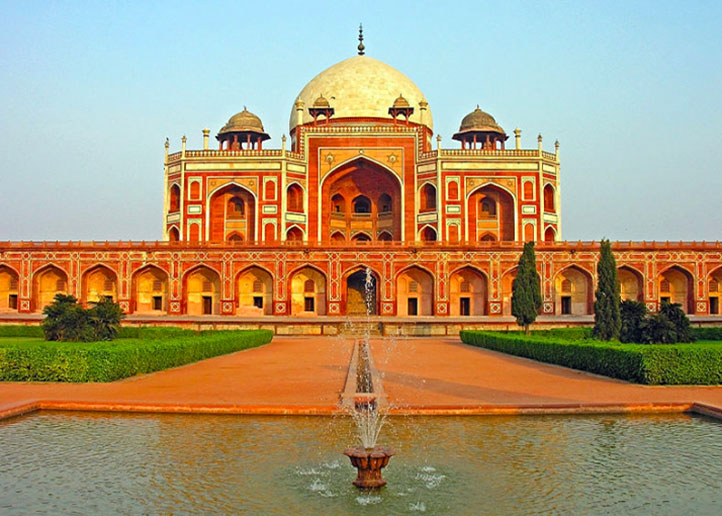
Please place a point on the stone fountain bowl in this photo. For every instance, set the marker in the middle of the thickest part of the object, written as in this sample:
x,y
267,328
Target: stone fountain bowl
x,y
368,462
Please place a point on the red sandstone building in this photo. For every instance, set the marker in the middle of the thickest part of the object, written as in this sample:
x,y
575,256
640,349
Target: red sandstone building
x,y
362,184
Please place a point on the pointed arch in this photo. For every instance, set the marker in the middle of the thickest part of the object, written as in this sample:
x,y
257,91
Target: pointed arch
x,y
304,300
675,284
714,290
427,197
149,290
361,236
173,234
254,291
468,291
216,207
9,288
201,290
573,291
98,282
550,234
174,198
502,216
355,297
428,234
631,283
549,198
415,291
294,234
294,197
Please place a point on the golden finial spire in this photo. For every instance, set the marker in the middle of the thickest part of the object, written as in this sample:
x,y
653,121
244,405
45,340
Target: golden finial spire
x,y
361,46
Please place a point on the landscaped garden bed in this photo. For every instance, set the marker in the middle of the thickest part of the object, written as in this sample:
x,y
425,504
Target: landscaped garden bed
x,y
696,363
26,356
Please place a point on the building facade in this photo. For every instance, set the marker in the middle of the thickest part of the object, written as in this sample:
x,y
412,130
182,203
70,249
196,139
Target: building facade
x,y
361,192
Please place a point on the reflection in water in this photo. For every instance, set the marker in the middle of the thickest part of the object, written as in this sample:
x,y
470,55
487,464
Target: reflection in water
x,y
139,464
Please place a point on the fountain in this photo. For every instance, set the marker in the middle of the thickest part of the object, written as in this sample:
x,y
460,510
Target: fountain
x,y
363,398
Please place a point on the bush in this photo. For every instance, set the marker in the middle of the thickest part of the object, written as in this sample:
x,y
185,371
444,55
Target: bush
x,y
108,361
674,313
676,364
67,321
633,315
16,330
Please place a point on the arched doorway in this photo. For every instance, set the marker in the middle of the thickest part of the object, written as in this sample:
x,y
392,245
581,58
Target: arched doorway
x,y
361,196
202,292
232,211
675,285
150,291
490,211
573,292
468,292
361,296
308,292
631,285
254,294
173,234
715,291
415,292
507,290
8,289
428,234
99,283
47,282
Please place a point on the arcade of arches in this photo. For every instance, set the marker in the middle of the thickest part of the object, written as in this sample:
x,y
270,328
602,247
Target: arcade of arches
x,y
362,203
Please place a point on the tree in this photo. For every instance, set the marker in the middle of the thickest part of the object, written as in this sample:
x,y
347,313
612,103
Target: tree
x,y
607,321
526,292
105,319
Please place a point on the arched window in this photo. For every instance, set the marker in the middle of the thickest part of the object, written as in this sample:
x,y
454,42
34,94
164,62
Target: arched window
x,y
309,286
487,208
236,208
338,204
294,235
269,233
428,234
173,235
528,190
294,198
549,198
385,203
566,285
338,237
195,190
235,237
385,236
361,237
174,198
549,235
270,187
361,204
488,238
428,197
452,190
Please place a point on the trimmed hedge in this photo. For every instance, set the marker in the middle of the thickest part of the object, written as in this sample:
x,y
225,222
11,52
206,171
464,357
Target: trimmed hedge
x,y
654,364
16,330
112,360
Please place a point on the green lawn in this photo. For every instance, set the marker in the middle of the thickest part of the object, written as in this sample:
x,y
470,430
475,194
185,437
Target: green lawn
x,y
25,358
697,363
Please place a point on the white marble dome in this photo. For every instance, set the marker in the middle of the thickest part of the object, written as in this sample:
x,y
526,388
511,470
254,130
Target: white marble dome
x,y
361,86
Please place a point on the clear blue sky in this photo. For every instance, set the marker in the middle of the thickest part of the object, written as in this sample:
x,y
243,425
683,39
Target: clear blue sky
x,y
90,91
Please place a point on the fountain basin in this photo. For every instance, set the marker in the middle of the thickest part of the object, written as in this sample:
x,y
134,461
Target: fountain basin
x,y
369,462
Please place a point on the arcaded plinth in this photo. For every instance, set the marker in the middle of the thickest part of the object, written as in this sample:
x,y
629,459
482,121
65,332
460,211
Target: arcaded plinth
x,y
368,462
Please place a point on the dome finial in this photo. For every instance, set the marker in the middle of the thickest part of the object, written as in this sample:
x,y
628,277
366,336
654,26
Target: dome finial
x,y
361,46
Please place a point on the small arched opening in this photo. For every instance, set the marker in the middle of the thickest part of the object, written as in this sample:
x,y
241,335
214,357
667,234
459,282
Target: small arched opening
x,y
173,234
631,284
294,234
308,292
202,292
428,234
254,292
361,298
99,283
428,198
549,198
150,291
9,289
415,292
294,198
48,282
675,285
175,194
573,292
468,292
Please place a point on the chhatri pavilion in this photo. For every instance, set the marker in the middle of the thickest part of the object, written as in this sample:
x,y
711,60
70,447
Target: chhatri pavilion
x,y
361,186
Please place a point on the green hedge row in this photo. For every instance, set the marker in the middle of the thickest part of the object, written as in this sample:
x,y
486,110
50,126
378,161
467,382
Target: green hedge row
x,y
653,364
108,361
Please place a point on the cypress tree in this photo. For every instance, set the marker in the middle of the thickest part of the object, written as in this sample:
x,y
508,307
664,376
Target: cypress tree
x,y
526,292
607,319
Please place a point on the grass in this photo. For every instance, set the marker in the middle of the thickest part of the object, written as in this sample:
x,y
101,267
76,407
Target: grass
x,y
24,358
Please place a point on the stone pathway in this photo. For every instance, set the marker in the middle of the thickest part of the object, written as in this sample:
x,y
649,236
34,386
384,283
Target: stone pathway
x,y
305,375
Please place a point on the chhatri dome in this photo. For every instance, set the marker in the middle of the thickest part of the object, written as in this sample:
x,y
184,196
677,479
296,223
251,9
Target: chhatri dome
x,y
361,86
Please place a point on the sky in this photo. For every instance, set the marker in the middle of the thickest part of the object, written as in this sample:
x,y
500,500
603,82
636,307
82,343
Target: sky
x,y
90,90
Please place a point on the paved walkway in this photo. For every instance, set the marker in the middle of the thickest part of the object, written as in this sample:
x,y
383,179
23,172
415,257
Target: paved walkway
x,y
307,375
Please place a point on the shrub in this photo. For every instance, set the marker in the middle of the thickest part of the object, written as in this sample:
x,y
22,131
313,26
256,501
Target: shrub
x,y
675,364
108,361
658,329
633,316
66,320
674,313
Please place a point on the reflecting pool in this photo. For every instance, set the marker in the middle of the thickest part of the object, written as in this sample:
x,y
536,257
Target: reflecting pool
x,y
82,463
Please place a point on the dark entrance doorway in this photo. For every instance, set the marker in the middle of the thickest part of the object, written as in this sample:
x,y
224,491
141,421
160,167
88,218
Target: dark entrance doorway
x,y
566,305
413,306
464,306
207,305
358,300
